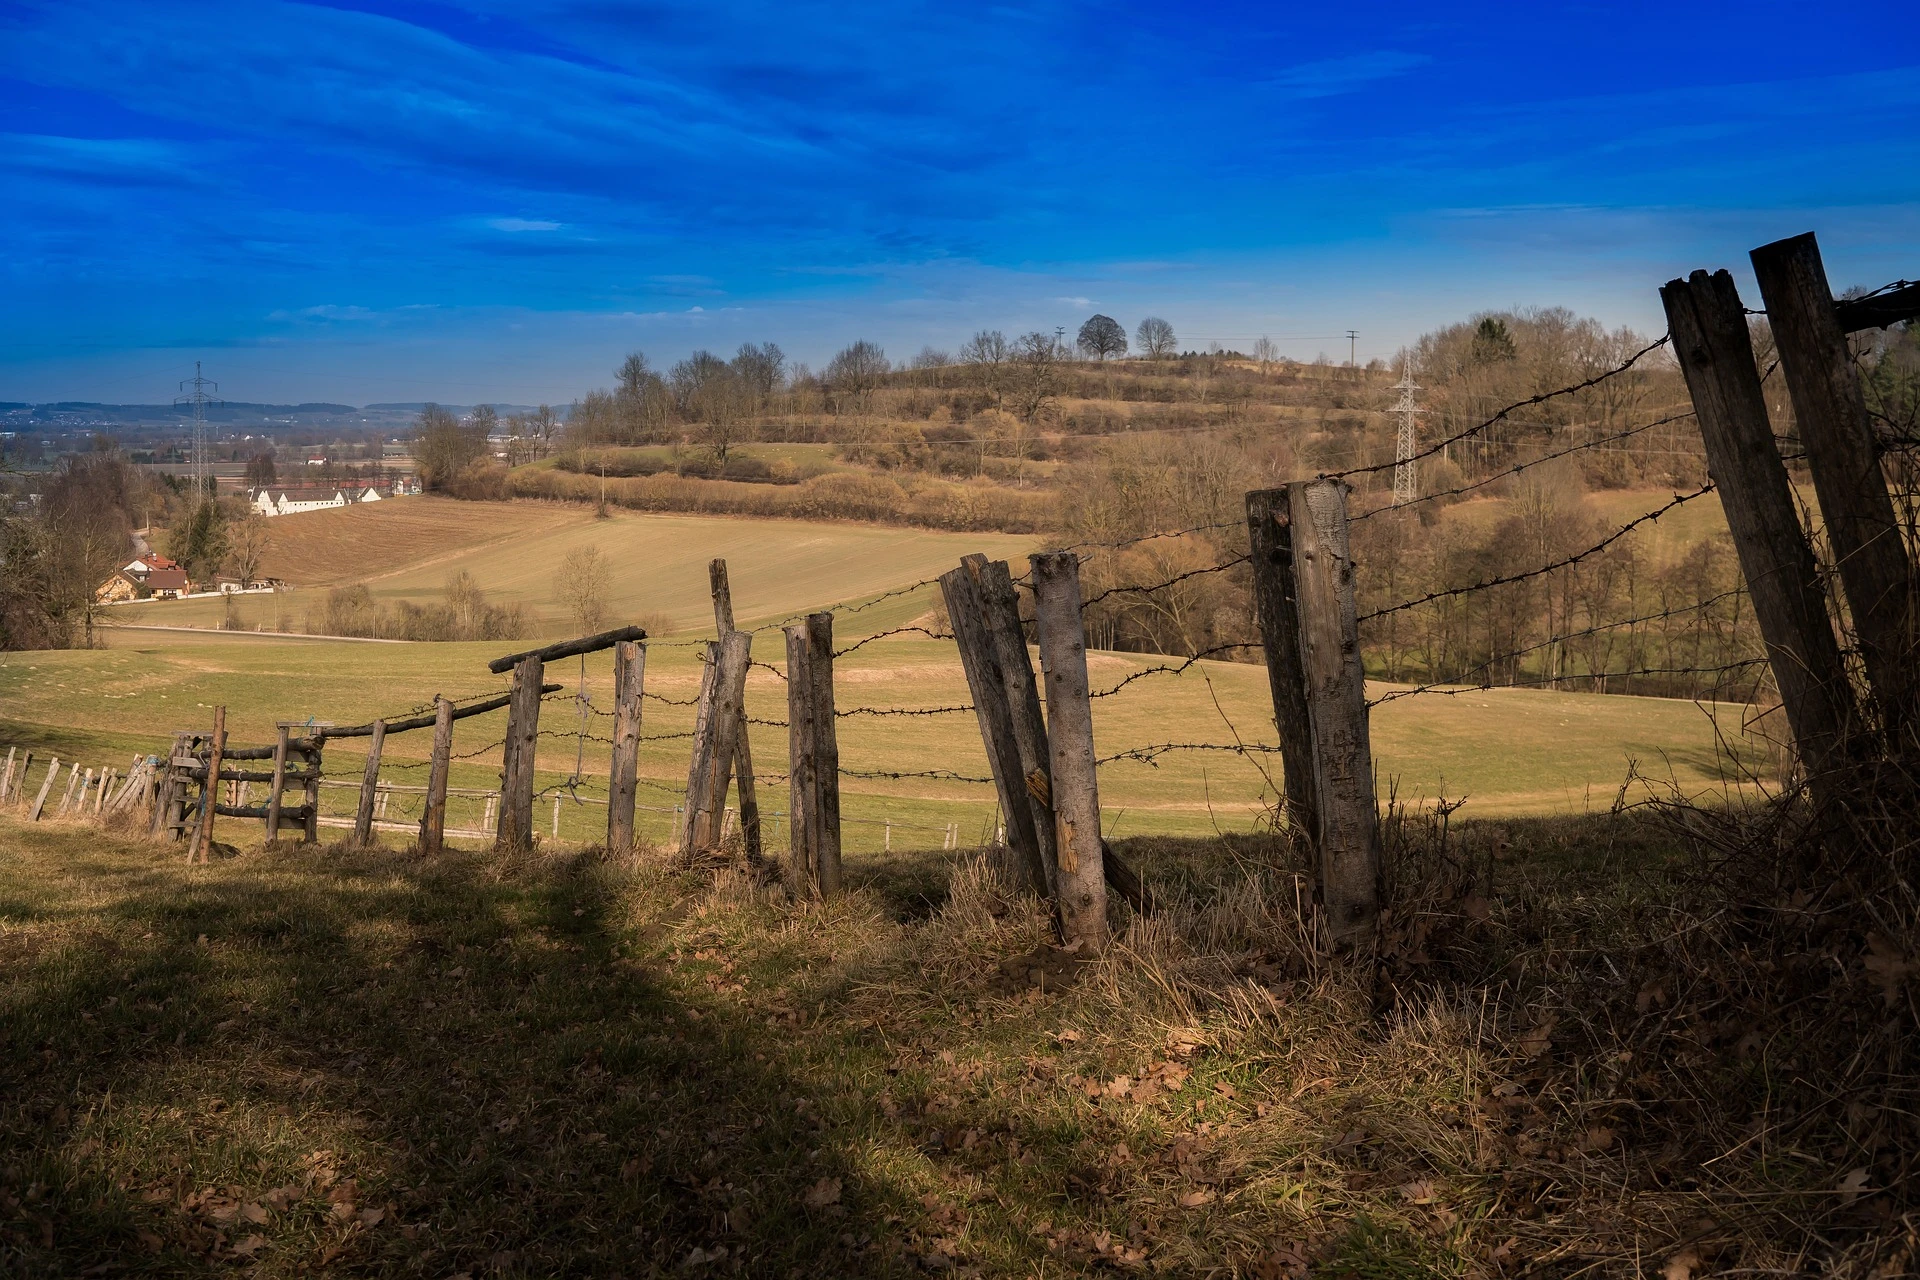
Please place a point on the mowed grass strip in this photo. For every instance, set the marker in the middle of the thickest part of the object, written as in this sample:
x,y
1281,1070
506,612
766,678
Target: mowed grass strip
x,y
1512,751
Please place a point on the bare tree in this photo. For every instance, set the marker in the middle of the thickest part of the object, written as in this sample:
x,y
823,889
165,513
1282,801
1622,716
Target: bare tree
x,y
248,540
1264,351
582,585
1101,337
709,391
1035,375
988,353
443,447
1155,338
762,371
857,370
641,402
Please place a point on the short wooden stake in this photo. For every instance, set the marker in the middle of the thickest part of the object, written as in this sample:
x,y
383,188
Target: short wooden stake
x,y
277,785
433,818
1074,786
203,830
1715,352
40,801
1844,460
1276,610
1349,834
6,779
515,830
100,796
66,797
369,786
556,817
743,753
629,682
310,799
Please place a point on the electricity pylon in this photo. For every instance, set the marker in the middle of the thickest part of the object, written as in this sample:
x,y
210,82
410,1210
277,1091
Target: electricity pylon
x,y
199,399
1406,486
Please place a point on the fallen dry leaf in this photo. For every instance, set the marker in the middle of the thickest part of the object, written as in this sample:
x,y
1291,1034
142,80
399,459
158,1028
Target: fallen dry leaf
x,y
254,1213
1682,1265
1419,1191
250,1245
823,1193
1194,1199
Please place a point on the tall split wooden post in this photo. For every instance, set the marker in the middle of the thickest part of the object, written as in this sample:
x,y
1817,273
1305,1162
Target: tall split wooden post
x,y
1715,351
715,744
743,753
40,800
698,773
1276,610
209,790
1075,789
433,815
369,785
813,809
515,830
623,772
1855,504
1334,681
980,659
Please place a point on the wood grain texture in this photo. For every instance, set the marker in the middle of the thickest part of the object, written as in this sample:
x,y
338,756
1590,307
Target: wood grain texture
x,y
1276,611
1074,785
629,682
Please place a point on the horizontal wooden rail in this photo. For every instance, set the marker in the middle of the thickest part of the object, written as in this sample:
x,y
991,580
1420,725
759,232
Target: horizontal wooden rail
x,y
1880,311
425,720
568,648
402,788
407,828
288,813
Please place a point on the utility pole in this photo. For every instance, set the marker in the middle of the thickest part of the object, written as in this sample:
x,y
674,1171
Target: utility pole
x,y
199,399
1060,341
1406,486
1353,337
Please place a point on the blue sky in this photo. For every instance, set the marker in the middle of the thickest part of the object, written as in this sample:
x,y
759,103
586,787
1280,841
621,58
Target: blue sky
x,y
491,201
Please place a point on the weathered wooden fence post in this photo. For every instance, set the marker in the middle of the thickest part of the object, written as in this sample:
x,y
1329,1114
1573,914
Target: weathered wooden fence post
x,y
310,797
1336,693
6,779
210,788
1075,790
516,769
40,801
277,783
715,748
967,610
623,772
433,815
826,755
800,764
369,785
699,765
743,753
1855,504
1276,609
1715,351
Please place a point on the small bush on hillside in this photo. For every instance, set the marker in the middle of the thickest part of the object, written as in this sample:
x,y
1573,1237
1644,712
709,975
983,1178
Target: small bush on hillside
x,y
464,614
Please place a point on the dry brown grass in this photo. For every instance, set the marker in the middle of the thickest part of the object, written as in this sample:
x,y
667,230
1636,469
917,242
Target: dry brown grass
x,y
568,1066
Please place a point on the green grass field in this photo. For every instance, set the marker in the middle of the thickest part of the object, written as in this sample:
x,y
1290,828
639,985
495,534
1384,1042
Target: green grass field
x,y
1507,751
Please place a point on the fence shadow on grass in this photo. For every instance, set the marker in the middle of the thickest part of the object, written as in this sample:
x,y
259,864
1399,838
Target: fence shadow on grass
x,y
396,1067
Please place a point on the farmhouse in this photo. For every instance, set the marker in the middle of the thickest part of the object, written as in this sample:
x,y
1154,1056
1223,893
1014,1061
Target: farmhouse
x,y
282,501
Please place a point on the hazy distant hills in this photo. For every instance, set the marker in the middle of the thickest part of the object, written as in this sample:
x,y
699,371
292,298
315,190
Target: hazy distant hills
x,y
238,413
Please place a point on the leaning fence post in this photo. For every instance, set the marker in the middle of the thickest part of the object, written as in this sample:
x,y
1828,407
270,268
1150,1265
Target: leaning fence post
x,y
1074,786
968,611
6,779
516,767
716,753
369,785
210,791
1276,609
1335,681
433,816
826,755
800,763
1715,352
40,801
629,681
1855,505
743,752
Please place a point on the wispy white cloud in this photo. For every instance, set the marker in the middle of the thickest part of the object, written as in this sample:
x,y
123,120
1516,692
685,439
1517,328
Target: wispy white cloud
x,y
524,224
